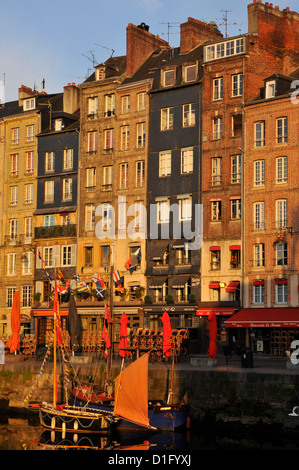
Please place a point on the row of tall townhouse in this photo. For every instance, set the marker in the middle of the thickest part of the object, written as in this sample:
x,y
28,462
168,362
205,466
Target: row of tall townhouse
x,y
110,181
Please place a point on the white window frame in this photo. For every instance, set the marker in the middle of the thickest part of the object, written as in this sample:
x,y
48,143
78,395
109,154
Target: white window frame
x,y
216,211
217,128
237,84
218,88
236,207
259,215
281,254
92,142
259,255
68,158
92,107
108,139
168,77
30,132
90,179
49,162
125,104
236,169
163,211
68,255
189,114
67,189
187,160
259,294
27,295
165,163
124,137
185,208
259,134
10,292
281,294
29,193
270,89
140,173
282,130
281,212
259,173
123,175
15,135
281,170
49,191
107,178
140,142
224,49
29,162
216,171
11,264
28,103
13,195
27,264
14,164
141,101
89,217
13,229
190,73
109,104
166,122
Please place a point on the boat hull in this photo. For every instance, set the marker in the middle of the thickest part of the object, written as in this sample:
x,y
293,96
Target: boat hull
x,y
161,417
73,419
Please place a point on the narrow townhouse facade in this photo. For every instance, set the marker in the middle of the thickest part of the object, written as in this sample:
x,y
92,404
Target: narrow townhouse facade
x,y
55,217
234,70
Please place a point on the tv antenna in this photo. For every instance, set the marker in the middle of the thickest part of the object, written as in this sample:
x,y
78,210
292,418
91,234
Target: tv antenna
x,y
170,25
92,59
108,48
224,20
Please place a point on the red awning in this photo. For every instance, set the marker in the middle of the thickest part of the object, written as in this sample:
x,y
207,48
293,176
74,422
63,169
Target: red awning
x,y
47,312
264,318
215,248
259,283
218,311
214,285
235,247
232,287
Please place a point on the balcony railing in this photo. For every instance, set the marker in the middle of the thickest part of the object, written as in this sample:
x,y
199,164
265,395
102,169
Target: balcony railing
x,y
56,231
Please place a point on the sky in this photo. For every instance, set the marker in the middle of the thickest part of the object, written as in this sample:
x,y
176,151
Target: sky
x,y
61,40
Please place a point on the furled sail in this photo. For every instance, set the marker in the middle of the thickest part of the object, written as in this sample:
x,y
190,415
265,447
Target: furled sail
x,y
131,392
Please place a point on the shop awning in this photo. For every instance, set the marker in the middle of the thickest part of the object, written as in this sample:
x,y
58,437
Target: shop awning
x,y
218,311
264,318
157,283
233,286
157,251
39,312
179,282
214,285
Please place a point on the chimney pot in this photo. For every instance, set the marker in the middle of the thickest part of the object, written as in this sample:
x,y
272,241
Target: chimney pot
x,y
288,8
276,7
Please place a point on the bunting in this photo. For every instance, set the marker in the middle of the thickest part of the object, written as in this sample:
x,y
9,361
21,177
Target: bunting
x,y
82,286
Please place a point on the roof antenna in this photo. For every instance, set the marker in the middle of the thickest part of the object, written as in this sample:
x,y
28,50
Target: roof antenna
x,y
108,48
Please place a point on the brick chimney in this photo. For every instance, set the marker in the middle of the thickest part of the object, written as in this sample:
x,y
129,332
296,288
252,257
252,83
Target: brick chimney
x,y
71,98
140,44
195,32
25,92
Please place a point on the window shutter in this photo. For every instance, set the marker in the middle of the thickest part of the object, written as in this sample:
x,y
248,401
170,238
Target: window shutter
x,y
39,287
38,260
56,255
73,255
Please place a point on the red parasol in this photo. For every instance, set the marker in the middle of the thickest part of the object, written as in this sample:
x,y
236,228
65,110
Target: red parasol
x,y
123,336
212,351
166,334
14,342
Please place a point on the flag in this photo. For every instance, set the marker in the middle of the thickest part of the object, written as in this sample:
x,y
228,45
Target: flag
x,y
108,315
99,290
96,277
42,260
60,275
116,276
128,263
56,314
63,288
106,269
137,253
106,338
82,286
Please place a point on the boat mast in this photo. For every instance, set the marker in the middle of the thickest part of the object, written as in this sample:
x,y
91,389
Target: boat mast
x,y
110,325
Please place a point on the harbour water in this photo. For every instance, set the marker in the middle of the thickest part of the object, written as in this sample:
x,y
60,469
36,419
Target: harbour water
x,y
20,430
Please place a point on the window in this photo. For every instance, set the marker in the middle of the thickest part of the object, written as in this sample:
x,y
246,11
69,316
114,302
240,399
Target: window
x,y
89,216
28,104
163,211
215,211
141,135
13,229
65,219
236,122
28,229
49,191
183,255
259,173
187,160
282,130
189,115
140,173
224,49
190,72
235,258
88,258
124,137
48,256
108,139
259,215
281,292
281,213
27,263
107,178
168,77
259,134
67,189
30,133
217,128
165,163
105,255
123,175
49,161
236,208
14,164
29,162
122,214
216,171
67,252
125,104
68,159
10,292
185,208
281,170
28,193
107,212
281,254
166,119
90,179
49,220
237,84
270,89
26,296
15,135
91,142
109,105
13,195
218,88
59,124
11,264
259,293
236,169
259,255
92,108
215,258
141,101
133,252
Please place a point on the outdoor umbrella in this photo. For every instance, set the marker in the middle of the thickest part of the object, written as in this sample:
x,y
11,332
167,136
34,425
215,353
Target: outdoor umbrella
x,y
74,325
166,334
14,342
212,351
123,336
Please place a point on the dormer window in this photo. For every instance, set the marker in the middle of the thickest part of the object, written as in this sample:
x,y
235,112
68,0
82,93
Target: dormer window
x,y
270,89
59,124
168,77
28,104
100,72
190,72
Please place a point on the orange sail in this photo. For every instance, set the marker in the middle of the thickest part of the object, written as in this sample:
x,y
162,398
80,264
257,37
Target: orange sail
x,y
131,391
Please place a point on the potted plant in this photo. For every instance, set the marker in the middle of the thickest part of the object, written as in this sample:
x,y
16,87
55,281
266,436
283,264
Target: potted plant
x,y
36,298
169,299
192,298
139,291
147,299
